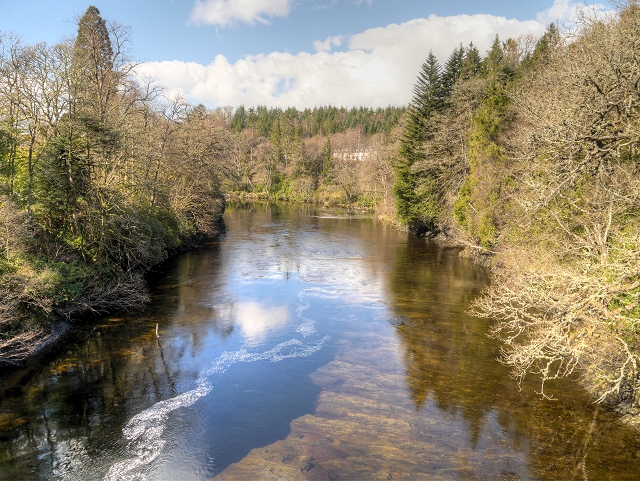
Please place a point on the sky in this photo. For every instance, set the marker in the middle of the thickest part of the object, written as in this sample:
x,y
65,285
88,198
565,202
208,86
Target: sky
x,y
283,53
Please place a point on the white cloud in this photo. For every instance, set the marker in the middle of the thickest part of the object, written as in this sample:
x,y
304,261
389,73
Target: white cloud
x,y
378,68
227,12
328,44
560,11
566,12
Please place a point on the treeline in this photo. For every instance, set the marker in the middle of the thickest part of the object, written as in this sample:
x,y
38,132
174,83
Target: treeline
x,y
530,154
319,120
527,155
310,155
100,178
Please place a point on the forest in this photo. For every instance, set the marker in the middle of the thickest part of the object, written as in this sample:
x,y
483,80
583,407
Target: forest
x,y
525,155
308,155
528,157
100,178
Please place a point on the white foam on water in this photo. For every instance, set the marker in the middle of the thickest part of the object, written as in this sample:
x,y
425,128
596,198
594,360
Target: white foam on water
x,y
303,305
144,431
308,326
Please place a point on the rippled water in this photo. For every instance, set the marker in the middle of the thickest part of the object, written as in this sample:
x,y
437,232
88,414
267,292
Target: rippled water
x,y
306,343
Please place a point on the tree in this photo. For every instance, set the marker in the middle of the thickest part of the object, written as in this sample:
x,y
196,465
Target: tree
x,y
239,120
471,63
11,67
545,46
419,127
566,298
452,70
99,180
93,64
479,206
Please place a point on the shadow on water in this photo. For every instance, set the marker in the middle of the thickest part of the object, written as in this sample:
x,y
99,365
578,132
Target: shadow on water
x,y
71,409
420,396
450,362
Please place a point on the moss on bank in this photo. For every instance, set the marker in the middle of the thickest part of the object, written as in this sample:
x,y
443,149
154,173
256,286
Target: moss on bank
x,y
46,285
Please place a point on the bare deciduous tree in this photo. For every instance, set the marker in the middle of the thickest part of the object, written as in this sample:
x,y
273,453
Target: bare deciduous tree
x,y
566,297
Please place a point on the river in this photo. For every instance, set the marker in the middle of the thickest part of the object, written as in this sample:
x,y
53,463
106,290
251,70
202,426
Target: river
x,y
304,343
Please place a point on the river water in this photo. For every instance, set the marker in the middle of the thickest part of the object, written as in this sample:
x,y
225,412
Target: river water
x,y
305,343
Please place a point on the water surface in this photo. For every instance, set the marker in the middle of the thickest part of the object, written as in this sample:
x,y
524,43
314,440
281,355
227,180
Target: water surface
x,y
305,343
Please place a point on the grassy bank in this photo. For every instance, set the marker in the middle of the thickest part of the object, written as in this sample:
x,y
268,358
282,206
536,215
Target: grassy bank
x,y
47,285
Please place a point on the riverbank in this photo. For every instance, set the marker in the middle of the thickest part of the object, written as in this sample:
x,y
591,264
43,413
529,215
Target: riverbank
x,y
297,198
38,309
557,319
244,382
533,157
579,335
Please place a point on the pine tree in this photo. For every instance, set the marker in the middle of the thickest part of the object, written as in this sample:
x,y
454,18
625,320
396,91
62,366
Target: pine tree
x,y
427,99
452,70
471,63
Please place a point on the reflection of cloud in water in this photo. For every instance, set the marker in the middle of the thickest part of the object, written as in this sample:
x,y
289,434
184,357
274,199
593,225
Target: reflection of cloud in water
x,y
333,260
350,279
255,320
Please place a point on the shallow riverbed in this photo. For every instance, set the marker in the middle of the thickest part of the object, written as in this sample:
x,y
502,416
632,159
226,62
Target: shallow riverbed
x,y
305,343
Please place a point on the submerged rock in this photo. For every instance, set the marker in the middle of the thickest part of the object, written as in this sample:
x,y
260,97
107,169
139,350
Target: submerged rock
x,y
8,422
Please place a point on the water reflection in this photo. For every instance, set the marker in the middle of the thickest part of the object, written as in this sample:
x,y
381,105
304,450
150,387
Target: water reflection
x,y
444,349
450,362
305,344
256,320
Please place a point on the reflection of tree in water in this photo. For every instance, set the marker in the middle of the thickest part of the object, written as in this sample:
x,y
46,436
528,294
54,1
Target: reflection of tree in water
x,y
116,369
449,359
443,348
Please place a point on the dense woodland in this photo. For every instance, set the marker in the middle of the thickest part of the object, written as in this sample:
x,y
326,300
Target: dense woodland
x,y
305,155
526,155
100,178
530,156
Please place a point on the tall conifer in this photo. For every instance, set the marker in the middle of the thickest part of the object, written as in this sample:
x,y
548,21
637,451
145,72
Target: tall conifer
x,y
93,74
471,63
427,99
452,70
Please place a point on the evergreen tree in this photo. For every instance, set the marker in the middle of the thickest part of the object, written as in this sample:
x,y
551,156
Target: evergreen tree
x,y
427,99
93,40
327,160
471,63
93,76
545,45
493,63
452,70
475,208
427,92
239,121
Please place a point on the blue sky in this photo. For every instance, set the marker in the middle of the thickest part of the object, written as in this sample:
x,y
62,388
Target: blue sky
x,y
290,52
